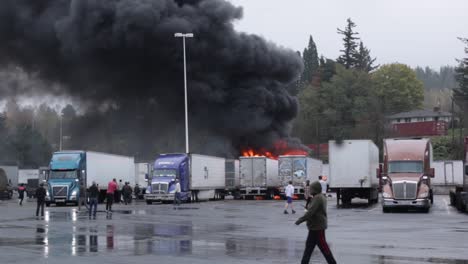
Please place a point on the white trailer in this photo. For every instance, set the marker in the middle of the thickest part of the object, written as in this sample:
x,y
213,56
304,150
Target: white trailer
x,y
12,174
258,176
232,176
25,175
298,169
353,170
102,168
448,172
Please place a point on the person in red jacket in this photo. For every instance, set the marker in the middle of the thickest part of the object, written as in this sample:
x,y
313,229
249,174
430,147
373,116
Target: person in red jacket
x,y
21,190
111,188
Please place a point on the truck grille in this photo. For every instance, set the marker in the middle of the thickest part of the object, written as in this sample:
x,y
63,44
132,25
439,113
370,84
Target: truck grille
x,y
159,188
60,191
405,190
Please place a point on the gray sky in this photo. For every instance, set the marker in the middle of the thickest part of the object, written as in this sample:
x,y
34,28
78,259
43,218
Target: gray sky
x,y
414,32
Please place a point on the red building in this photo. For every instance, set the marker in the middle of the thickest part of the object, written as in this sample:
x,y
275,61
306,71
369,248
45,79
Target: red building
x,y
420,123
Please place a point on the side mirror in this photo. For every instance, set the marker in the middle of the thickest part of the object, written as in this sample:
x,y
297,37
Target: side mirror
x,y
431,172
379,173
146,176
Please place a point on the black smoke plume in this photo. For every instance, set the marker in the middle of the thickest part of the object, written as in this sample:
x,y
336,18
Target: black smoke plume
x,y
122,54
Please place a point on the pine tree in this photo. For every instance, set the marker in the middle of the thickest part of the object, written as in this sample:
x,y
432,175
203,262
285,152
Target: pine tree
x,y
348,58
364,61
311,62
461,73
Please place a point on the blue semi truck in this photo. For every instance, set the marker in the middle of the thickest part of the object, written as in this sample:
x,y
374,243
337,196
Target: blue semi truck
x,y
72,171
201,178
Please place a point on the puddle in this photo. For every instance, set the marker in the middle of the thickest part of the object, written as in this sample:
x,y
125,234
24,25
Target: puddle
x,y
392,259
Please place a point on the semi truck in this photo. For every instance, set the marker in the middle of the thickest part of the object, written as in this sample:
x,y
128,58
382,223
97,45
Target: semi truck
x,y
12,174
6,192
459,195
298,169
406,174
142,171
72,171
232,177
200,177
258,176
353,166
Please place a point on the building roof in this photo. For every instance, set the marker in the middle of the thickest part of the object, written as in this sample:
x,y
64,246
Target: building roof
x,y
420,113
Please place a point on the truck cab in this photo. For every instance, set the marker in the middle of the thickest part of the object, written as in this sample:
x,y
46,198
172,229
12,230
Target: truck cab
x,y
66,175
166,169
406,174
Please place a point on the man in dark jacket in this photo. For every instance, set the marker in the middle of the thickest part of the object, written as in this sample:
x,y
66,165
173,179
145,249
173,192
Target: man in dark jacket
x,y
40,196
93,199
316,218
21,190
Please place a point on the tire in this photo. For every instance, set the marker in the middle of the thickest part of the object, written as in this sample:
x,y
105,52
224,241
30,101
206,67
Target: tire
x,y
426,210
386,210
432,198
149,202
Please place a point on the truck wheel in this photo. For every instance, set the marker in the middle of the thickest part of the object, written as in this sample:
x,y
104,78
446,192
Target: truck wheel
x,y
385,210
432,198
149,202
426,210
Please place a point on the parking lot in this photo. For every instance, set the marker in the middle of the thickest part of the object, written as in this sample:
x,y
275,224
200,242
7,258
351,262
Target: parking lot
x,y
230,231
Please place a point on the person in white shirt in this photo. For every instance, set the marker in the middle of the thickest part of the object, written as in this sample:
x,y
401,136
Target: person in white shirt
x,y
289,191
177,193
323,183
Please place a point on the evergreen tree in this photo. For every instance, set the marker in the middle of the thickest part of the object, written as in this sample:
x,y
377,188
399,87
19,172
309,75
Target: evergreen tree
x,y
311,62
461,75
364,61
348,58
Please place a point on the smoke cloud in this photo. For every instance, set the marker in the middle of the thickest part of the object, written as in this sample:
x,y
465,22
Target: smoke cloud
x,y
123,54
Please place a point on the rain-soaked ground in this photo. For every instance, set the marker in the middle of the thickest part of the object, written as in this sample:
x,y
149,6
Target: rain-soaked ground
x,y
228,232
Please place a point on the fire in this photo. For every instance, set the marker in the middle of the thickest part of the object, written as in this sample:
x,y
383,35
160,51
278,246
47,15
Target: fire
x,y
280,148
250,152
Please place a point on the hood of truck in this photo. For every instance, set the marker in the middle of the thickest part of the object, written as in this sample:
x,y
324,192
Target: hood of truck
x,y
162,179
408,176
70,183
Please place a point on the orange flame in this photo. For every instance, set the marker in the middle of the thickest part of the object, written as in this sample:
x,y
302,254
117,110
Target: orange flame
x,y
280,148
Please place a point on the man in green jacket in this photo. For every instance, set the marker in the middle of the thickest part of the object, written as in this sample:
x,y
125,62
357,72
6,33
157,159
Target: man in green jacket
x,y
316,217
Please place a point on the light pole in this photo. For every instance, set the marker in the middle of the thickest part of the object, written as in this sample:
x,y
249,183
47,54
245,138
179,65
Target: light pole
x,y
183,36
61,132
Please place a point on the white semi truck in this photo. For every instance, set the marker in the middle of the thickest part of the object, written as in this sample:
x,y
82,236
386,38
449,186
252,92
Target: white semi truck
x,y
353,170
298,169
258,176
71,171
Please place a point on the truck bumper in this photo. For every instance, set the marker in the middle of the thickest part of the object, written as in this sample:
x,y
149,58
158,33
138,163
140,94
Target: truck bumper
x,y
159,197
418,203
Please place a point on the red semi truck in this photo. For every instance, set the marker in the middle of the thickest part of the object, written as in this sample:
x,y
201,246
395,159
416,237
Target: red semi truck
x,y
406,174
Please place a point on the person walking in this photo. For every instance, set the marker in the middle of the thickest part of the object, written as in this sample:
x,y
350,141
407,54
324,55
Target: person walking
x,y
127,193
177,194
110,195
82,197
21,190
137,191
324,185
93,199
289,191
307,194
40,196
118,192
316,218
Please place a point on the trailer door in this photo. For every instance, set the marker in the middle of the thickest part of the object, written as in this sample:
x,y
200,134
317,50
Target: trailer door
x,y
259,172
246,169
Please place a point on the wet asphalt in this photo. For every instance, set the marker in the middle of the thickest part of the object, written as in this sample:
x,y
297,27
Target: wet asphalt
x,y
230,231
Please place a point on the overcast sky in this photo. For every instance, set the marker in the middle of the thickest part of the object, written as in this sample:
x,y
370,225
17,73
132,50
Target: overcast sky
x,y
414,32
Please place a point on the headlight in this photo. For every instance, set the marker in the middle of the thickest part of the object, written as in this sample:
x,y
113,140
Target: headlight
x,y
386,195
47,193
74,193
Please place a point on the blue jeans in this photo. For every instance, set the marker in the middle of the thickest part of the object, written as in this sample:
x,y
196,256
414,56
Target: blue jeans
x,y
93,206
177,199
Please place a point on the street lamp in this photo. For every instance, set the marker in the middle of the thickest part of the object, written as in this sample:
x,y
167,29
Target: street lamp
x,y
183,36
61,131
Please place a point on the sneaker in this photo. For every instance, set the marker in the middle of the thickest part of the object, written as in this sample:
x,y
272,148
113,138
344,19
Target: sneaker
x,y
293,211
285,212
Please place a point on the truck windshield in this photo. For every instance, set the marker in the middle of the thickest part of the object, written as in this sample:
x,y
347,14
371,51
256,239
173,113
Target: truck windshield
x,y
69,174
405,166
164,173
